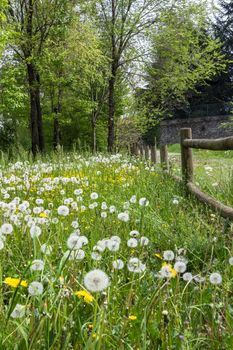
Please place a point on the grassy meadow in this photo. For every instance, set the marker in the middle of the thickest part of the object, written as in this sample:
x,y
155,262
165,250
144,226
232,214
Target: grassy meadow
x,y
107,252
213,171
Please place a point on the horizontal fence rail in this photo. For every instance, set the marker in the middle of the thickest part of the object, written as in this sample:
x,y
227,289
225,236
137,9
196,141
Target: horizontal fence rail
x,y
187,167
223,144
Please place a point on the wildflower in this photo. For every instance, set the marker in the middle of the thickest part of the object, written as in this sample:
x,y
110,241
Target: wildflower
x,y
165,313
215,278
75,254
104,206
167,271
35,231
135,265
132,243
19,311
73,242
134,233
116,238
180,266
83,294
37,265
78,191
7,229
159,256
144,241
175,201
63,210
43,215
95,256
133,199
168,255
123,217
143,202
35,288
126,205
96,280
15,282
187,276
118,264
46,249
132,317
113,245
112,209
94,195
103,214
231,261
199,279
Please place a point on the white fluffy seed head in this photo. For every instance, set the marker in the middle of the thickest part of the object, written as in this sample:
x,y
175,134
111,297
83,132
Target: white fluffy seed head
x,y
19,311
215,278
35,288
168,255
187,276
123,217
35,231
37,265
96,280
180,266
132,243
118,264
63,210
143,202
7,229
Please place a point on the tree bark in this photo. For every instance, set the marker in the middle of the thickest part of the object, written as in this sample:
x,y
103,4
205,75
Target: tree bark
x,y
111,113
35,111
93,124
56,123
56,133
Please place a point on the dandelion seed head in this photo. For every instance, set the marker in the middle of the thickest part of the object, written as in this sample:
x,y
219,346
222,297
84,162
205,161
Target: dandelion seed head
x,y
96,280
35,288
215,278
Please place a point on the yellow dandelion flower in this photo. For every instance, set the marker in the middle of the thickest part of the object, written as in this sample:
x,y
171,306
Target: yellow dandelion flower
x,y
87,297
159,256
173,271
132,318
15,282
43,215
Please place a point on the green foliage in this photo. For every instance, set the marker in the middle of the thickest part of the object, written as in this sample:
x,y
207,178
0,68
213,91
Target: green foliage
x,y
184,56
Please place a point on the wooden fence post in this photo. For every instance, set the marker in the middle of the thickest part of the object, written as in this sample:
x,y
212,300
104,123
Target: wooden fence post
x,y
153,153
186,155
164,157
146,148
140,151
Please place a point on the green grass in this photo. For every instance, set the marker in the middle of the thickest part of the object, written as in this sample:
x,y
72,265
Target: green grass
x,y
213,172
170,313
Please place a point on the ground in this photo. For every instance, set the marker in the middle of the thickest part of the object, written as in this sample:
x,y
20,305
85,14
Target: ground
x,y
109,253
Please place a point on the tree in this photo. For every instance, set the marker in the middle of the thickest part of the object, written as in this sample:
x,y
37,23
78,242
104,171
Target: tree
x,y
31,22
122,22
74,69
184,56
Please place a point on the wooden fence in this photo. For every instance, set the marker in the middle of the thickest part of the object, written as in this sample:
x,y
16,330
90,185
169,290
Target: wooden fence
x,y
150,153
187,143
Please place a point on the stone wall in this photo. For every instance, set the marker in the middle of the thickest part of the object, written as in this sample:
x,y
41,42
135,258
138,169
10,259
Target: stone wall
x,y
202,128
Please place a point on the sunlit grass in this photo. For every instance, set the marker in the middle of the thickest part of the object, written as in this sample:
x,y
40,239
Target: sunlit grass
x,y
72,215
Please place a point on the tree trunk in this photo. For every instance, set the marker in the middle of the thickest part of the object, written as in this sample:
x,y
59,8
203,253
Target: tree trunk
x,y
56,133
56,124
33,109
93,124
39,114
111,113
